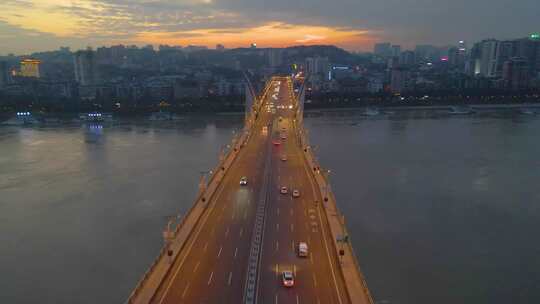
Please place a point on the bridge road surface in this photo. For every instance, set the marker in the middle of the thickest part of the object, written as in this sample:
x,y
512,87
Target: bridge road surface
x,y
213,265
291,220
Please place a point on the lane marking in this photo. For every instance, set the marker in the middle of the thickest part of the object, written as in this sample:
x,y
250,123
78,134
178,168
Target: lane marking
x,y
185,290
292,211
292,227
277,210
227,232
205,247
277,227
277,270
276,302
297,299
196,266
277,245
230,278
210,279
314,279
235,252
219,253
292,245
241,231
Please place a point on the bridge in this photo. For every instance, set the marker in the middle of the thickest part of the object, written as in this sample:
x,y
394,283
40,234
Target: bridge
x,y
236,241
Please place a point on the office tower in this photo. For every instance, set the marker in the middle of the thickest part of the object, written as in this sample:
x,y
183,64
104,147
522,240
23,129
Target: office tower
x,y
400,79
5,77
396,50
275,57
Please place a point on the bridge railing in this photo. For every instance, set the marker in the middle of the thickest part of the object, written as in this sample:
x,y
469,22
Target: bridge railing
x,y
324,188
202,197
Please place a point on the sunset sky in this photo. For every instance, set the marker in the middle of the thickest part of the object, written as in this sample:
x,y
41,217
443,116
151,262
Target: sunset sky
x,y
34,25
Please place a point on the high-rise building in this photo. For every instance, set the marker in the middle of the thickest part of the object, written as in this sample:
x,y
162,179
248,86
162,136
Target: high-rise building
x,y
85,67
399,80
318,66
516,73
383,49
275,57
407,58
5,77
489,58
396,50
30,68
427,53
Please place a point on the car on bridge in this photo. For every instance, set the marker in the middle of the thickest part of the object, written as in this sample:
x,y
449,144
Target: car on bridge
x,y
296,193
283,190
283,157
303,249
287,278
243,181
276,142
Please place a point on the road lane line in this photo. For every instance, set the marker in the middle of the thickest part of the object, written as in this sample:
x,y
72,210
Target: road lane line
x,y
277,210
292,227
235,252
294,269
277,245
196,266
276,301
277,270
277,227
292,211
314,279
230,278
219,253
311,258
210,279
297,299
185,290
292,245
241,231
227,232
205,247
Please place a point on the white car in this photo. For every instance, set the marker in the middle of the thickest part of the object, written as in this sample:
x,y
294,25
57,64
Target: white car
x,y
288,278
283,190
296,193
243,181
283,157
303,249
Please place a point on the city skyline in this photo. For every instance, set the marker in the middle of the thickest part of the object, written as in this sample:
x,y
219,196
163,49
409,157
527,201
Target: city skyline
x,y
37,25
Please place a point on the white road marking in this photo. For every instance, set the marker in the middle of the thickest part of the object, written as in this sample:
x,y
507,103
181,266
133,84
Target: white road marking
x,y
196,266
311,258
230,278
241,231
219,253
227,232
185,290
277,210
277,270
297,299
314,280
210,278
292,211
235,252
292,245
292,227
276,302
205,247
277,245
277,227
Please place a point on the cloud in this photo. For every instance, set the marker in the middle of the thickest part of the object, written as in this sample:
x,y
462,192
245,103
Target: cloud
x,y
400,21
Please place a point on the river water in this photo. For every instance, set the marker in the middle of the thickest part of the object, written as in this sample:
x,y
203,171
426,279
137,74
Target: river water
x,y
440,209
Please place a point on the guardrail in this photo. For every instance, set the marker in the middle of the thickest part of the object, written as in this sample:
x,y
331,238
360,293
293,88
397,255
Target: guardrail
x,y
202,197
323,183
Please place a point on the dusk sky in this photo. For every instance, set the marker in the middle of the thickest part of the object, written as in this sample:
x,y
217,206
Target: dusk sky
x,y
36,25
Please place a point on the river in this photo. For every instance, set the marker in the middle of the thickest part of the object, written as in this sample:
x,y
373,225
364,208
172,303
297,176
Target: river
x,y
441,209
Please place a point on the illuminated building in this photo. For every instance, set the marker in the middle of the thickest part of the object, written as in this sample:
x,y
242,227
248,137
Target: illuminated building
x,y
30,68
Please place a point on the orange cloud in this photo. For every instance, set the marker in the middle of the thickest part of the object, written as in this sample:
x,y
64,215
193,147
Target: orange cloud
x,y
274,34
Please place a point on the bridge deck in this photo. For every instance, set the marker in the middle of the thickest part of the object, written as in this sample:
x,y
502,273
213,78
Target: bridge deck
x,y
212,265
